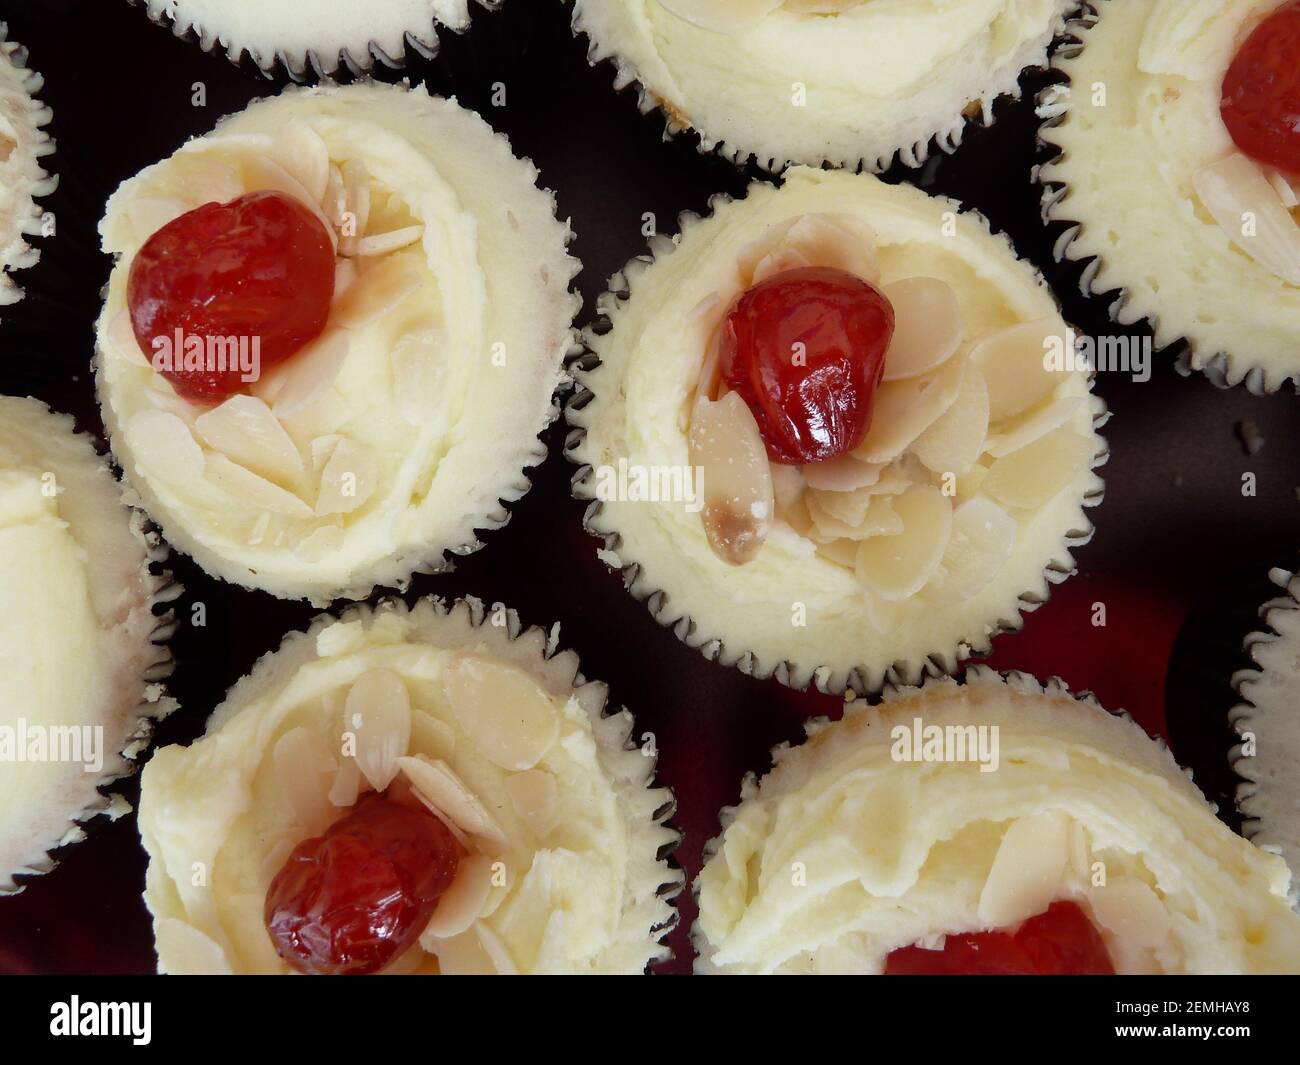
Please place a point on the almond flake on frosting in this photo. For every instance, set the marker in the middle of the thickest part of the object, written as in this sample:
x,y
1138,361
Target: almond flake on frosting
x,y
928,327
463,901
1027,870
349,478
503,710
244,430
378,712
437,784
897,567
249,488
1032,476
1251,212
738,498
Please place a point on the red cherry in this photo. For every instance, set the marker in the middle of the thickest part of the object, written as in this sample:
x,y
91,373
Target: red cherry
x,y
260,266
1060,941
805,349
353,900
1261,92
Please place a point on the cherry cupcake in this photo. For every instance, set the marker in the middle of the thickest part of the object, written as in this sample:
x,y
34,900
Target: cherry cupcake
x,y
1178,177
82,655
333,332
994,827
827,435
855,83
22,176
413,791
1269,726
314,37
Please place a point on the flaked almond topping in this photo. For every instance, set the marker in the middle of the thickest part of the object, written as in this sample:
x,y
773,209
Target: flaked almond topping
x,y
1027,870
462,903
378,712
535,797
1131,910
122,339
306,377
437,784
349,478
897,567
1032,425
185,951
721,16
244,430
906,409
738,498
249,488
319,543
983,537
1014,363
1030,477
301,151
304,769
928,327
165,448
346,785
469,953
509,718
383,243
416,371
846,473
379,288
356,185
956,439
1286,189
262,173
1252,213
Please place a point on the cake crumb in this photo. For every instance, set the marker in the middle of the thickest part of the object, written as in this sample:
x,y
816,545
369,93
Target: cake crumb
x,y
1251,438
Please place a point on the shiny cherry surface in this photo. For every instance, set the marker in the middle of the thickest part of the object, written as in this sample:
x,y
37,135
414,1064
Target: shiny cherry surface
x,y
1261,92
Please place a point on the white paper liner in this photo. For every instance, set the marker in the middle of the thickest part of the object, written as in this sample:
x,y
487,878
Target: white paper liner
x,y
397,570
357,57
975,674
946,137
655,879
1268,716
148,695
22,178
1223,369
932,662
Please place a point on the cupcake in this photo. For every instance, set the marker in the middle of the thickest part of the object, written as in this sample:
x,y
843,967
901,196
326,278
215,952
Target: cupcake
x,y
81,668
849,82
1039,835
826,432
315,38
1269,725
23,144
414,792
333,332
1178,177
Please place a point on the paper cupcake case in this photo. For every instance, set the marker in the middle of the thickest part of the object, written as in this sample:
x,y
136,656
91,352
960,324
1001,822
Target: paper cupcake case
x,y
945,139
123,756
826,679
1125,309
1157,756
499,634
409,28
1269,717
21,174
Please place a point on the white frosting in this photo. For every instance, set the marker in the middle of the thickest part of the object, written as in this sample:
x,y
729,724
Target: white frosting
x,y
75,628
1268,722
791,604
1129,168
577,892
23,143
378,461
843,854
271,29
875,78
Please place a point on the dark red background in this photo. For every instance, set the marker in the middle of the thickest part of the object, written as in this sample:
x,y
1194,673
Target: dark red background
x,y
1179,559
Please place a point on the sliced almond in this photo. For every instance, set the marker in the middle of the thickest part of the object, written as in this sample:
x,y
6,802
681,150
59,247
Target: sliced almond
x,y
1286,191
319,544
476,952
956,439
379,288
349,478
983,537
185,951
432,736
244,430
1252,213
356,184
378,711
905,409
416,365
1027,870
1030,477
346,785
721,16
780,260
437,784
928,327
384,243
845,473
509,718
462,902
838,241
334,201
249,488
877,518
301,151
164,448
304,769
148,214
1014,363
896,567
310,374
738,497
122,341
841,552
535,797
262,173
1032,425
1131,910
